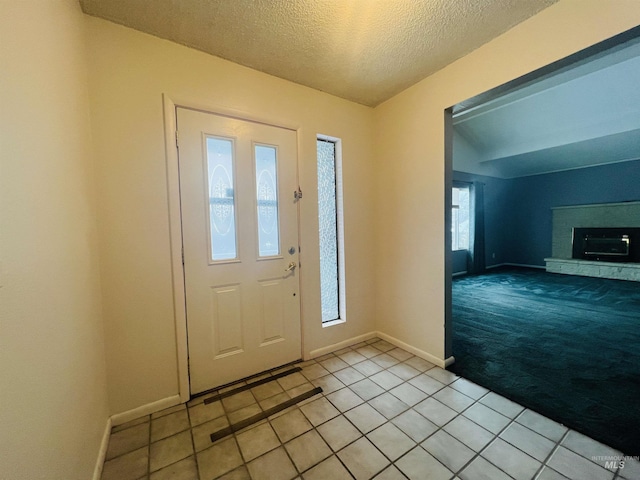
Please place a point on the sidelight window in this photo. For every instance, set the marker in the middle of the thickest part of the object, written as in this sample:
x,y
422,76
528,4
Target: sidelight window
x,y
330,230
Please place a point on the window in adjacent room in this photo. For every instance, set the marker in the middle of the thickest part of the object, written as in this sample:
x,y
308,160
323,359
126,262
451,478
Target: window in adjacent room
x,y
460,218
330,230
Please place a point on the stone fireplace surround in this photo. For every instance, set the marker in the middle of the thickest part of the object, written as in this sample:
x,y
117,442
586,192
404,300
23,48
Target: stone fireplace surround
x,y
607,215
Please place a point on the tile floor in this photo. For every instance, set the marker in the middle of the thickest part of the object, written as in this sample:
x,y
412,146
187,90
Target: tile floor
x,y
383,414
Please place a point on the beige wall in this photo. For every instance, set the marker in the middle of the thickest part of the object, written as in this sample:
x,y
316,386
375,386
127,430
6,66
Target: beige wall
x,y
410,157
129,72
53,396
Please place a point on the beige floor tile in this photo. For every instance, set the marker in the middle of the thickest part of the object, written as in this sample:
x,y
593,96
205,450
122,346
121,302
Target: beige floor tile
x,y
481,468
486,417
390,473
575,467
328,383
442,375
452,453
339,433
314,371
240,473
408,394
435,412
362,459
404,371
366,389
365,418
344,399
352,357
542,425
414,425
219,459
129,466
319,411
384,360
386,379
427,384
419,364
266,390
290,425
528,441
502,405
368,351
469,433
400,354
257,441
170,450
275,465
244,413
333,364
388,405
348,375
470,389
454,399
128,440
368,367
329,469
307,450
391,441
168,425
509,459
202,433
415,463
185,469
238,401
271,402
202,413
293,380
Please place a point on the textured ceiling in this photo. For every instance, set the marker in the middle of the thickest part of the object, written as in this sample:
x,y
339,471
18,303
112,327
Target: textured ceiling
x,y
362,50
583,116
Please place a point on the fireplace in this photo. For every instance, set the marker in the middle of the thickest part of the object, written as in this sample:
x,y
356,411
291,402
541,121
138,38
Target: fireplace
x,y
607,244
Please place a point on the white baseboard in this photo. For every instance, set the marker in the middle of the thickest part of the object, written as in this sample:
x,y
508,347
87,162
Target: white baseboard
x,y
102,453
337,346
149,408
442,363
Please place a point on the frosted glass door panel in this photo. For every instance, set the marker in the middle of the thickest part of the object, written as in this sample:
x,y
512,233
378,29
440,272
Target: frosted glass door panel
x,y
222,208
328,230
267,200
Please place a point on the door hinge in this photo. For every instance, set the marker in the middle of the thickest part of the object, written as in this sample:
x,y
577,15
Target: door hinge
x,y
182,256
177,146
297,195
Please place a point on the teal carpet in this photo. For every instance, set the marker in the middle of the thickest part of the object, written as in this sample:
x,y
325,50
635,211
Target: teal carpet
x,y
565,346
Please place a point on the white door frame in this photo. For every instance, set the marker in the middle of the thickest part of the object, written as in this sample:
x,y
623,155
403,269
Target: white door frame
x,y
175,220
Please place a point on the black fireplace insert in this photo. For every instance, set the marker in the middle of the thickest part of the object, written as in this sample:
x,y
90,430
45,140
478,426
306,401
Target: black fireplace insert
x,y
607,244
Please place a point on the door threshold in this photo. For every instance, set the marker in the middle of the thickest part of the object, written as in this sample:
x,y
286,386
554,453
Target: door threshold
x,y
248,386
245,379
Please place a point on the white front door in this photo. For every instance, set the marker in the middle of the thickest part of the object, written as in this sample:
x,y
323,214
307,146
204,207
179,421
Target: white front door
x,y
240,240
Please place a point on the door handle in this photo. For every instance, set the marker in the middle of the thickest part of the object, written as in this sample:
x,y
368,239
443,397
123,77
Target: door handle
x,y
291,266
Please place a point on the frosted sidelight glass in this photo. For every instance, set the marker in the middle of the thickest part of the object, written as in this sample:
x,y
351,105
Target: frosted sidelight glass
x,y
222,209
327,216
267,200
